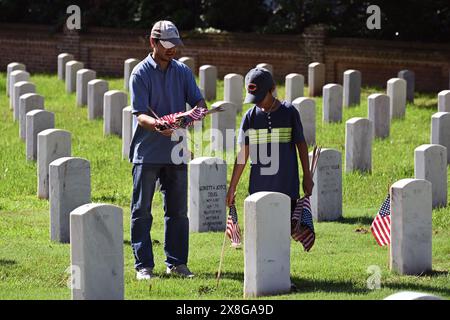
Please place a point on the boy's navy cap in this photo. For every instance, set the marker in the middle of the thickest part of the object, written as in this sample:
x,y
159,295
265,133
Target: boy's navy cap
x,y
258,82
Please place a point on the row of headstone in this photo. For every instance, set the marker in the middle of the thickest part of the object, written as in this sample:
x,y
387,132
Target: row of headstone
x,y
65,181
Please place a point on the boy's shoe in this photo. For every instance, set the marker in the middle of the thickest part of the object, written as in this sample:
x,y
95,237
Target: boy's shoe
x,y
145,274
180,270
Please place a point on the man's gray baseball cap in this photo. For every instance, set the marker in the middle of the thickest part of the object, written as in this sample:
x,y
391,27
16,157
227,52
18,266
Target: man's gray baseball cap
x,y
258,82
167,34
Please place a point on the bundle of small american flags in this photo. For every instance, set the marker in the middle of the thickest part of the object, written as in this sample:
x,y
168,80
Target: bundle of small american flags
x,y
182,119
233,230
302,227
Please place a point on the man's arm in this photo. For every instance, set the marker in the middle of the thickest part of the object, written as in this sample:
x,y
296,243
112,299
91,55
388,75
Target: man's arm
x,y
201,104
149,123
239,166
308,183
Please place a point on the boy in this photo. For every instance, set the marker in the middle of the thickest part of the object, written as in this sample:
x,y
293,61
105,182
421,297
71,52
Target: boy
x,y
271,130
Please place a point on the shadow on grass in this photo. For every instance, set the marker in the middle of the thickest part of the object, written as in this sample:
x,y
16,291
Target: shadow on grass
x,y
7,262
416,287
356,220
305,285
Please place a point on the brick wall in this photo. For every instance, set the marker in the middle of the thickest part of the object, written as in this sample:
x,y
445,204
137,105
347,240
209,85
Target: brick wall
x,y
379,61
104,50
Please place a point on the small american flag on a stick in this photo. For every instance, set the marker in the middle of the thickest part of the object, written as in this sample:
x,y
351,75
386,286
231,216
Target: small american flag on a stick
x,y
381,225
233,230
302,226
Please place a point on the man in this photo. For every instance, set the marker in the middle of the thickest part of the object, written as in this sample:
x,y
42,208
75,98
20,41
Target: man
x,y
271,130
161,85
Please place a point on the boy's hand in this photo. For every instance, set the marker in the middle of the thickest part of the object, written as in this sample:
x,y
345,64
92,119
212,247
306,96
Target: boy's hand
x,y
308,185
231,194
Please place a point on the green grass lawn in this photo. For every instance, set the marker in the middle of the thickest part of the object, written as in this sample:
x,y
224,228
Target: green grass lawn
x,y
33,267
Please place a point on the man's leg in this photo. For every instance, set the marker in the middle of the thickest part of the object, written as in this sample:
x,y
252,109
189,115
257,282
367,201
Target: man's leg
x,y
144,178
174,189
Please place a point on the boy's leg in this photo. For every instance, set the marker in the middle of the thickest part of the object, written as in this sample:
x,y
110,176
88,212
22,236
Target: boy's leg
x,y
144,178
174,189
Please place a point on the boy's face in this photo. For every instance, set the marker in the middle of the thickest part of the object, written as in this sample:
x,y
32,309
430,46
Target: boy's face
x,y
267,101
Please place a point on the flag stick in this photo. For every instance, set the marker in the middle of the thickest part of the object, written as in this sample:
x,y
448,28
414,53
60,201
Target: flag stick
x,y
221,257
389,245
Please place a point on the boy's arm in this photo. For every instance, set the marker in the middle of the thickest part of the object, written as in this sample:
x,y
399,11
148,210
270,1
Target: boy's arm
x,y
308,183
239,166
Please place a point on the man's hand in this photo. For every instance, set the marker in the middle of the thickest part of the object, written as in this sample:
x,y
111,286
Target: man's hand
x,y
165,132
231,195
308,185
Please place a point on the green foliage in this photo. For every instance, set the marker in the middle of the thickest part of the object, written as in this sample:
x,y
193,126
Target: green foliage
x,y
400,20
33,267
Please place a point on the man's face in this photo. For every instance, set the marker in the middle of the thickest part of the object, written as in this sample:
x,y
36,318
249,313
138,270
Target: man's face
x,y
162,53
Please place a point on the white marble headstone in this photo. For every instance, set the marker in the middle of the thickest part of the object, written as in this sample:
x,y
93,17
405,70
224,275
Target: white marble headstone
x,y
113,103
28,102
294,86
83,77
96,252
326,198
190,62
396,90
316,78
63,58
14,77
307,109
332,103
358,145
36,121
379,114
207,192
70,187
267,244
208,81
20,88
223,126
411,227
232,89
95,91
440,130
128,66
13,66
410,78
444,101
127,131
52,144
430,163
352,87
72,68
